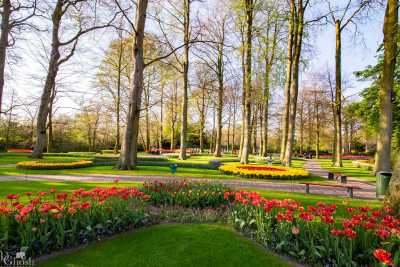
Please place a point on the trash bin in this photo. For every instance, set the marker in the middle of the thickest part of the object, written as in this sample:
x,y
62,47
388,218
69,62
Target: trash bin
x,y
382,183
173,168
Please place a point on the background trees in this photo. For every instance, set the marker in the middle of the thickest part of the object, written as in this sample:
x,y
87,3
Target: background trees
x,y
200,77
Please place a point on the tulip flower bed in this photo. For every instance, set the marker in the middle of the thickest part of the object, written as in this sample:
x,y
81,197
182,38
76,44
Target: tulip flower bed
x,y
264,172
185,194
313,235
51,221
37,165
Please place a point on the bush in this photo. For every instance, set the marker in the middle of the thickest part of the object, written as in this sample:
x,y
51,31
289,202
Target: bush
x,y
185,194
38,165
51,221
313,234
264,172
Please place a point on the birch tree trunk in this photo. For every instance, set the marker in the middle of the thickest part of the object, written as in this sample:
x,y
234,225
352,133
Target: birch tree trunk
x,y
384,145
130,145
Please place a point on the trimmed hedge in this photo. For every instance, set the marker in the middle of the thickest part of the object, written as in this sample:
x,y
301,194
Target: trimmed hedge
x,y
37,165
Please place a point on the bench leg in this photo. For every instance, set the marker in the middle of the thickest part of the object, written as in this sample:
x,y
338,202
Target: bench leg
x,y
351,192
307,189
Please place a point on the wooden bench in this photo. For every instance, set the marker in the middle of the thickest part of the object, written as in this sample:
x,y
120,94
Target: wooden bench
x,y
350,188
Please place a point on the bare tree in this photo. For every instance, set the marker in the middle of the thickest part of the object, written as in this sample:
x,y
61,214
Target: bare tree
x,y
15,16
56,59
341,18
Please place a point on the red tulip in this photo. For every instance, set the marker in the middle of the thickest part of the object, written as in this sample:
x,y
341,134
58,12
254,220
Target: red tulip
x,y
383,256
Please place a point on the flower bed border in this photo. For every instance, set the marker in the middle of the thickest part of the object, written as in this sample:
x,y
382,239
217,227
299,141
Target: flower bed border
x,y
37,165
287,174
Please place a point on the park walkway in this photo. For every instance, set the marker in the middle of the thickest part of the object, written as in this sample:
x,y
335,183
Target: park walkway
x,y
367,191
368,188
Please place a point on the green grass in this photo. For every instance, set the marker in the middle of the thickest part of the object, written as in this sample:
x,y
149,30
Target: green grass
x,y
13,158
348,169
146,170
172,245
10,158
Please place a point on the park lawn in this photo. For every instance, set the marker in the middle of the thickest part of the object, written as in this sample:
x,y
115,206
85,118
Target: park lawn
x,y
349,170
148,171
171,245
13,158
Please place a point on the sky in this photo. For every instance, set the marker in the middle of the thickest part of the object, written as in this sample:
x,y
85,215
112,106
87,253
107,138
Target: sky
x,y
357,53
27,75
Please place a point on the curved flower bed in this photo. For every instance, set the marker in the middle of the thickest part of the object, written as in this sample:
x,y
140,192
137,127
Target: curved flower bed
x,y
51,221
312,234
264,172
37,165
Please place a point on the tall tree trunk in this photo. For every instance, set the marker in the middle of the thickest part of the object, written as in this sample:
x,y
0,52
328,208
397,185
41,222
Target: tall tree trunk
x,y
160,142
301,127
8,129
186,22
294,90
266,109
118,100
288,82
309,128
384,146
243,61
147,115
50,137
202,118
254,130
261,122
317,126
220,75
130,145
244,159
5,30
338,96
234,126
49,84
212,145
